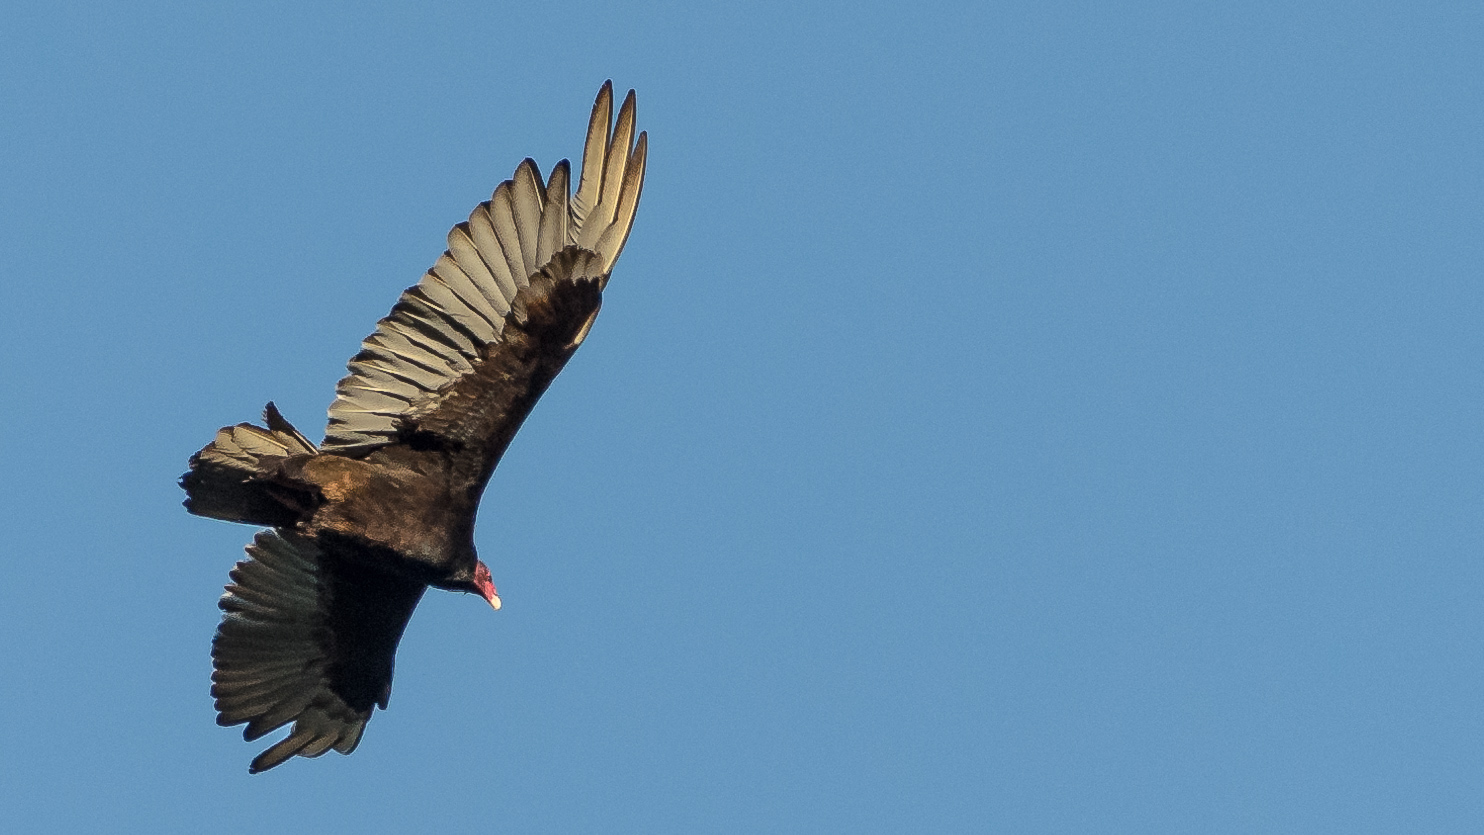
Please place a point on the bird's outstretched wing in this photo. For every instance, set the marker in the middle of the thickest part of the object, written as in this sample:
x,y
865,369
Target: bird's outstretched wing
x,y
445,366
306,638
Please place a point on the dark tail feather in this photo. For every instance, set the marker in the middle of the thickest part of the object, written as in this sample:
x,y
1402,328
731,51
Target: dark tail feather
x,y
231,478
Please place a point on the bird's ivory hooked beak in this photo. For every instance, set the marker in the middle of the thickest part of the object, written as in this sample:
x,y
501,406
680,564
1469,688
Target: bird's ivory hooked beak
x,y
495,601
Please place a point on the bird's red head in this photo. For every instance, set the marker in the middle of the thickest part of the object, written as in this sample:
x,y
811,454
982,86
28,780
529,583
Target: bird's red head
x,y
485,584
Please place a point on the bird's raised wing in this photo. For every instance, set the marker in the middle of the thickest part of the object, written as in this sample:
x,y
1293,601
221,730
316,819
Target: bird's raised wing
x,y
309,639
445,359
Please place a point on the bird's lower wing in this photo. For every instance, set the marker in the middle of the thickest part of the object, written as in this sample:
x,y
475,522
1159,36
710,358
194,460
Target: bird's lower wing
x,y
306,639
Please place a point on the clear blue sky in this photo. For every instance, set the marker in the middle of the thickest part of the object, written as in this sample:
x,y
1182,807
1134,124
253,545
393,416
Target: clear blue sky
x,y
1022,417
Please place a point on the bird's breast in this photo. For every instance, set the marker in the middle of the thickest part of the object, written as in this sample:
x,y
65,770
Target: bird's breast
x,y
398,515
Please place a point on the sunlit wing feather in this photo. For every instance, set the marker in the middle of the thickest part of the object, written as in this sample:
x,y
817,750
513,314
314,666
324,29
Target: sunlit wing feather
x,y
451,321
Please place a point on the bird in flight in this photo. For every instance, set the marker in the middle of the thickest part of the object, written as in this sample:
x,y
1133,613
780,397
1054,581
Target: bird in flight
x,y
384,507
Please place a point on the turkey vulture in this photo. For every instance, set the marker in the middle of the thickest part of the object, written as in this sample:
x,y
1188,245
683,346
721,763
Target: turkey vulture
x,y
361,525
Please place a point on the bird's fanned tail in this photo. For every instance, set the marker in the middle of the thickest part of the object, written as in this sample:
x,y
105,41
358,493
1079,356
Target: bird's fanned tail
x,y
228,477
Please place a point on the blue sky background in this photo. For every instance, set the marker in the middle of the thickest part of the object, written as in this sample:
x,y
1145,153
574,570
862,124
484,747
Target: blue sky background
x,y
1022,417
